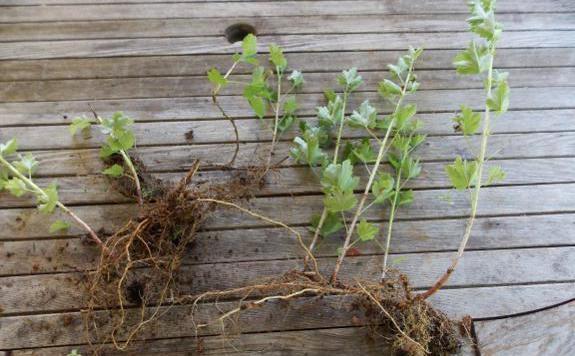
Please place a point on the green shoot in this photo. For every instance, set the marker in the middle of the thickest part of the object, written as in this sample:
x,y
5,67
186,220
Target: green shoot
x,y
119,140
404,83
261,95
464,174
16,178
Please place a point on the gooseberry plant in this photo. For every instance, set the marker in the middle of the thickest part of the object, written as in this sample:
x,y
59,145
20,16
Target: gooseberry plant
x,y
119,140
394,136
265,91
467,175
16,177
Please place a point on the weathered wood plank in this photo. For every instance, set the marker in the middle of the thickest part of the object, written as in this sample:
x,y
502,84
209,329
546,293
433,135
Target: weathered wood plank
x,y
304,313
218,131
180,158
309,62
173,87
290,43
166,109
272,25
66,255
24,223
77,190
64,291
547,332
276,8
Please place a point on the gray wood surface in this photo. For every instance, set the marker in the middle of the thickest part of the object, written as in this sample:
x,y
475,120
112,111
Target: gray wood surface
x,y
148,58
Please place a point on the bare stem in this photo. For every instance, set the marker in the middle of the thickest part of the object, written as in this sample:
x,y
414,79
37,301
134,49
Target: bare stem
x,y
390,222
276,118
474,195
381,153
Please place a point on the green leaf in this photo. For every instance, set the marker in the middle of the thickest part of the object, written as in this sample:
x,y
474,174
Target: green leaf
x,y
410,168
307,148
473,60
467,121
388,89
106,151
285,123
405,197
258,105
482,20
496,174
350,80
277,57
80,124
47,203
216,78
364,117
382,188
403,115
114,171
296,78
338,201
290,105
249,46
16,187
363,152
26,165
58,226
339,177
8,148
366,231
462,173
499,99
331,224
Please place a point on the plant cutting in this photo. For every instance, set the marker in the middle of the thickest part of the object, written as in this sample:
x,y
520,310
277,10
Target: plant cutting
x,y
16,177
468,175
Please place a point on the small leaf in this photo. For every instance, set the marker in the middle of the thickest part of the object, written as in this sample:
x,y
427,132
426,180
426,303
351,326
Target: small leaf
x,y
363,152
496,174
216,78
114,171
350,80
79,124
499,99
277,57
474,60
462,173
405,197
26,165
249,46
296,78
290,105
403,115
58,226
8,148
339,177
388,89
285,123
364,117
382,188
331,224
47,203
307,148
366,231
338,201
16,187
467,121
258,105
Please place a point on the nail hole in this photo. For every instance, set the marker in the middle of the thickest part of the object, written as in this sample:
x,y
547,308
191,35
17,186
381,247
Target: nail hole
x,y
238,31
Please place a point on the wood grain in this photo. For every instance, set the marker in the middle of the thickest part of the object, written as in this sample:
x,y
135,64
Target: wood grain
x,y
290,43
304,313
166,65
547,332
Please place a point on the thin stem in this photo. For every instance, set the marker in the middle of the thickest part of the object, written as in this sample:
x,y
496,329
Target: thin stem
x,y
276,118
38,190
335,156
475,193
391,218
381,153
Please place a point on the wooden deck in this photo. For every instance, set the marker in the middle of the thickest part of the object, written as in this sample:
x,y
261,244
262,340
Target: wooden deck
x,y
149,58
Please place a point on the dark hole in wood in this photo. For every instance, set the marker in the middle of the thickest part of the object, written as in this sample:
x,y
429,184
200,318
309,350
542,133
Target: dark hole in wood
x,y
238,31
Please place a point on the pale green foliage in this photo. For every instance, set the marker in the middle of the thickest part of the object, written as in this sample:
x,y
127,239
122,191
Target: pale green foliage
x,y
119,134
58,226
74,352
366,231
16,173
114,171
475,60
80,124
